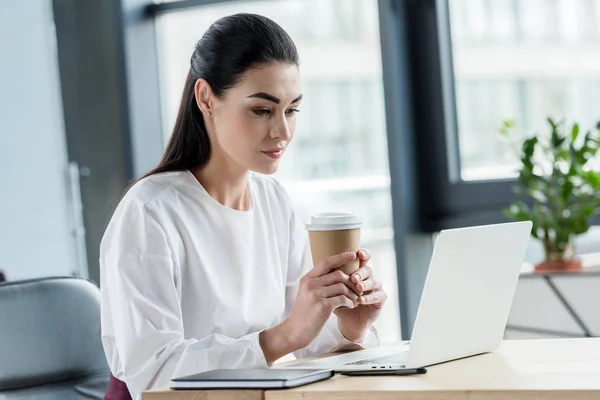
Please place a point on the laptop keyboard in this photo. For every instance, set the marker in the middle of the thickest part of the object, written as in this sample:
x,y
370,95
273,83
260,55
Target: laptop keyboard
x,y
398,358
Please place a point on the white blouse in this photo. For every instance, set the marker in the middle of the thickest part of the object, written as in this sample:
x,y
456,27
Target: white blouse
x,y
188,284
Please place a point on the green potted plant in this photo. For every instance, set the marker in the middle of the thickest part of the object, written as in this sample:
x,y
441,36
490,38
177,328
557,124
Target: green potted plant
x,y
559,186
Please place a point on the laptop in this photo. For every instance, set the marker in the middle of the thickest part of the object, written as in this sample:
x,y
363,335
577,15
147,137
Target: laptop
x,y
465,302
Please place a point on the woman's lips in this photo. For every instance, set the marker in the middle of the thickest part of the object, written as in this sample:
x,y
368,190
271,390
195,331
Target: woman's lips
x,y
274,153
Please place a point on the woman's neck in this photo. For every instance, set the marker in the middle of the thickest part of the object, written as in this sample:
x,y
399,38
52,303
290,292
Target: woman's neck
x,y
225,183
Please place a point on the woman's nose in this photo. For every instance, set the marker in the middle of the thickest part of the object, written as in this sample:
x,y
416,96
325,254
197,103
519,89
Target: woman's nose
x,y
281,130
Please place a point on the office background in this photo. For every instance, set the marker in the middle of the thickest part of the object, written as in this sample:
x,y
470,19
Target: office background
x,y
403,104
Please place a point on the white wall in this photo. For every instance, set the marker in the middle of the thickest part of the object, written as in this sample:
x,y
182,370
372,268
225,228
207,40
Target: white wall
x,y
536,306
35,216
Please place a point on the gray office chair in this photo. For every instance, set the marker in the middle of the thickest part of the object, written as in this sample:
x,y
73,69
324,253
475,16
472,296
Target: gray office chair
x,y
50,340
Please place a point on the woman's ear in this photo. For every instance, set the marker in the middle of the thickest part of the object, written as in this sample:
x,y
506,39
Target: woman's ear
x,y
203,93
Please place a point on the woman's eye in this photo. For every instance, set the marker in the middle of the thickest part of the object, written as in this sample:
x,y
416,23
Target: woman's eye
x,y
292,111
262,112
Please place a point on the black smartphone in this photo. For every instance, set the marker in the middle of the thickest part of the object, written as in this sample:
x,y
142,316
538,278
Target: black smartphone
x,y
380,372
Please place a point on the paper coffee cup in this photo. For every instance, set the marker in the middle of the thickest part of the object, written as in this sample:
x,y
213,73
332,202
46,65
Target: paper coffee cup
x,y
334,233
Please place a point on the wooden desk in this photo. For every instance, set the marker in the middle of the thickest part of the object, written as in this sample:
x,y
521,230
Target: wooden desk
x,y
566,369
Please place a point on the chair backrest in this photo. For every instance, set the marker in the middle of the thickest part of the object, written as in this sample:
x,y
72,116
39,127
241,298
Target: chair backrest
x,y
50,343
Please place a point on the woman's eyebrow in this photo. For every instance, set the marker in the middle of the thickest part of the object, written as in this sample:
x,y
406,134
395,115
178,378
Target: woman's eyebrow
x,y
266,96
270,97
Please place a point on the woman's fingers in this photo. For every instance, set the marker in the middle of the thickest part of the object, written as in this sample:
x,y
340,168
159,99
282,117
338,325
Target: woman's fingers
x,y
338,289
335,277
327,264
362,274
364,256
369,284
340,301
376,298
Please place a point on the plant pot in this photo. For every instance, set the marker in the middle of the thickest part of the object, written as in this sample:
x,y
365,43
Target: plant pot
x,y
572,264
560,260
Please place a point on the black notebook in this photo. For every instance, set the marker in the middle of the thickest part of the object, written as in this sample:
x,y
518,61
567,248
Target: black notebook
x,y
251,379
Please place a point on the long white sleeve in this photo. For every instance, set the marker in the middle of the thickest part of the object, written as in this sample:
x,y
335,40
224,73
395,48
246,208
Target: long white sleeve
x,y
144,319
300,262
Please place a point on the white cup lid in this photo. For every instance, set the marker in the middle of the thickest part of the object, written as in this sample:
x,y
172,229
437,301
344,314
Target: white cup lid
x,y
333,222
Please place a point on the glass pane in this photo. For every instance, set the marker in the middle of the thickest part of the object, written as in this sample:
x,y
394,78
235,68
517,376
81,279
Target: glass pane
x,y
38,210
338,160
524,60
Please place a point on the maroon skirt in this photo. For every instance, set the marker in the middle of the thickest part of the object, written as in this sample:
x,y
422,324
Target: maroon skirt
x,y
117,390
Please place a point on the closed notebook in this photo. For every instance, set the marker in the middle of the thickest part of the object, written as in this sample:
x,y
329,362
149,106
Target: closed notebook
x,y
250,379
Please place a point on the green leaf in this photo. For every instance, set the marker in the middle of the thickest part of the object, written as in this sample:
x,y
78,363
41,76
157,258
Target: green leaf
x,y
528,179
588,211
538,217
592,178
519,211
563,155
528,149
572,157
556,138
566,191
574,132
582,153
507,125
582,227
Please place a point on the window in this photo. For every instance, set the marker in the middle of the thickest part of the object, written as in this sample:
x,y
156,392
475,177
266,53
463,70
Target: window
x,y
338,160
523,60
41,228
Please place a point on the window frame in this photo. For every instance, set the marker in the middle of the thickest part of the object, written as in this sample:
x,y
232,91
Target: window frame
x,y
446,201
155,9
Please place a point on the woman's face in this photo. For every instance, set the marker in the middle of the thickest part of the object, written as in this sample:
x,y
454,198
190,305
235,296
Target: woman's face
x,y
255,121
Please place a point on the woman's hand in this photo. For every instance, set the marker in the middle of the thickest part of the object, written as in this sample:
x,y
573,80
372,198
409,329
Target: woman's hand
x,y
354,322
320,293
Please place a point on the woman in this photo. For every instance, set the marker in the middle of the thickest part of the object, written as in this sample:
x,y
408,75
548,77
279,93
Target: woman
x,y
203,264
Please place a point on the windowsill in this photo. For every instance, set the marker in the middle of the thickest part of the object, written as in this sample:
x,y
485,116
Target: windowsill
x,y
589,260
